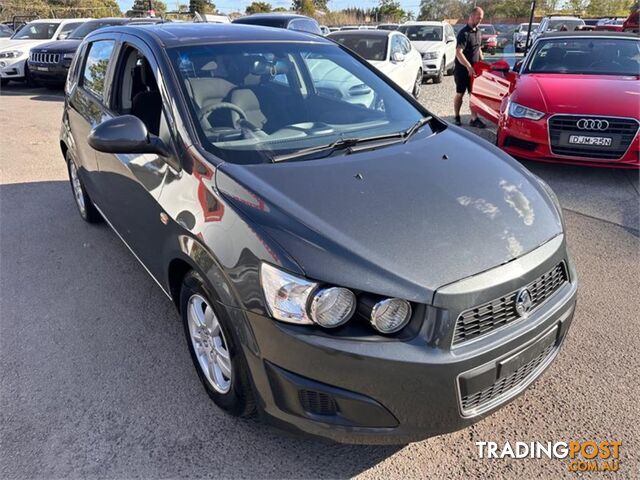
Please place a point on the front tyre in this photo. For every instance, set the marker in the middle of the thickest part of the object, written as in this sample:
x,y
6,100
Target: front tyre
x,y
87,210
417,86
215,352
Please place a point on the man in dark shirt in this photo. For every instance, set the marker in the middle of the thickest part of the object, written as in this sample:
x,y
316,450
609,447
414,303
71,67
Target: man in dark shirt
x,y
468,52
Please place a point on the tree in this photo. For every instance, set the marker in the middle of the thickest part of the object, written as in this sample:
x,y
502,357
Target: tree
x,y
280,9
201,6
390,11
309,6
619,8
441,9
258,7
141,7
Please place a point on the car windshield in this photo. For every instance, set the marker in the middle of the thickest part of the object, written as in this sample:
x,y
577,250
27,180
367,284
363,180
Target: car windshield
x,y
37,31
487,30
5,31
371,47
422,33
595,56
254,102
85,29
525,26
566,25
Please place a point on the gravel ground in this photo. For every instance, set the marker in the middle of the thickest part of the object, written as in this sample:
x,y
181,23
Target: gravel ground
x,y
96,381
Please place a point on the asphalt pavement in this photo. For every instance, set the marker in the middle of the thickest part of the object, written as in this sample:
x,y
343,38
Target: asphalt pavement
x,y
96,380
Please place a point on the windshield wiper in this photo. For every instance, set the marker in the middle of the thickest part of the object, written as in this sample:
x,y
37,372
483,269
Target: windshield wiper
x,y
415,127
350,144
340,144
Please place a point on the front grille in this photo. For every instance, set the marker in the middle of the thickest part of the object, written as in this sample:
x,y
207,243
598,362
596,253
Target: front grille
x,y
503,386
489,316
626,128
38,57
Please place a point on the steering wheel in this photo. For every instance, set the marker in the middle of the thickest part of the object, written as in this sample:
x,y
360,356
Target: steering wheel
x,y
206,111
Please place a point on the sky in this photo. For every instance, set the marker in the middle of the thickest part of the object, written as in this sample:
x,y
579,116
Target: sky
x,y
227,6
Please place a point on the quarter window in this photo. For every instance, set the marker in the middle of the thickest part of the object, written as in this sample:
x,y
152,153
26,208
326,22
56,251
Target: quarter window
x,y
95,68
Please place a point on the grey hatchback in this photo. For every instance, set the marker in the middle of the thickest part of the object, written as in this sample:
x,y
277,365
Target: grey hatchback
x,y
345,263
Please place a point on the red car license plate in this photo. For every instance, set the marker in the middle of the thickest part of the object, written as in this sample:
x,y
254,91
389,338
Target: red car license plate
x,y
584,140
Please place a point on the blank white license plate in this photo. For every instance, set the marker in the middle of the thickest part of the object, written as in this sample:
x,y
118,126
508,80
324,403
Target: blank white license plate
x,y
584,140
43,69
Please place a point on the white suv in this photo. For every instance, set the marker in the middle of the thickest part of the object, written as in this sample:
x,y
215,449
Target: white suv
x,y
557,23
436,42
15,52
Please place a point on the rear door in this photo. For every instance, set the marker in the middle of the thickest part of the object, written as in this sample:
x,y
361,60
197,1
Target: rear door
x,y
86,93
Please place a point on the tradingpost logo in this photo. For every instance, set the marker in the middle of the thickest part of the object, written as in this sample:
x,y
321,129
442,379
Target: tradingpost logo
x,y
586,456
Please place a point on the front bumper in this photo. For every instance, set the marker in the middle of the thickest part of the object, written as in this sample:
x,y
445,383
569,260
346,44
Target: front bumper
x,y
431,67
382,390
12,68
49,72
529,140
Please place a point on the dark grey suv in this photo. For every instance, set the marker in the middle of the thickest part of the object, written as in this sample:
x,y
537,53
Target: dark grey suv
x,y
345,263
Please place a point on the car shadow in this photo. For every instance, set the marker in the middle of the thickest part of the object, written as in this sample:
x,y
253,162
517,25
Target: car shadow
x,y
97,363
41,94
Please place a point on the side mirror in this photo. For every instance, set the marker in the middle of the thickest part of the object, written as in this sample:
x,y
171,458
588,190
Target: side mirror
x,y
63,35
125,134
500,66
397,57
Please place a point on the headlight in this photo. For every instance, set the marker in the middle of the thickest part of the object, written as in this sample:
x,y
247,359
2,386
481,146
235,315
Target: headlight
x,y
390,315
286,295
519,111
430,55
68,56
331,307
11,54
297,300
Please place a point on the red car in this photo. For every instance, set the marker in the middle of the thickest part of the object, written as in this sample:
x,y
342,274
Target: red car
x,y
574,99
611,25
489,38
631,23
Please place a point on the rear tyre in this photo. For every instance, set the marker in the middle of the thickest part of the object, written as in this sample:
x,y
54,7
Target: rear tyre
x,y
214,349
87,210
417,86
440,76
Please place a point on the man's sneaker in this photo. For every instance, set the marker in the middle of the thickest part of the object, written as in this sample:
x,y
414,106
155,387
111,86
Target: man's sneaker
x,y
477,123
458,122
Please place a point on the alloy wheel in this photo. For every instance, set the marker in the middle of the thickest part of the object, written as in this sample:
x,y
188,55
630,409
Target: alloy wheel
x,y
78,193
209,343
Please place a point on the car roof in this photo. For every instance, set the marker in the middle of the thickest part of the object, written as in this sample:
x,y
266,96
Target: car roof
x,y
59,20
590,33
563,17
421,22
368,33
283,16
175,34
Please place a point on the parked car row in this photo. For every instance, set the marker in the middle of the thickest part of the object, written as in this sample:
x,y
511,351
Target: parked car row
x,y
572,99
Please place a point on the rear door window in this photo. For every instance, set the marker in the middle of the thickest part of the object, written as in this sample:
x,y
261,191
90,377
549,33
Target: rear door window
x,y
96,65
